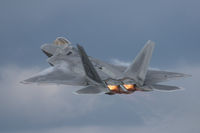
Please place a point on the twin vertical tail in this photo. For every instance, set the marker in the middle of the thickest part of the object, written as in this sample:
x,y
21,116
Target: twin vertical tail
x,y
138,69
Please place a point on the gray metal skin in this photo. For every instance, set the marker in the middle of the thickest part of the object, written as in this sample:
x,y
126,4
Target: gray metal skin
x,y
70,65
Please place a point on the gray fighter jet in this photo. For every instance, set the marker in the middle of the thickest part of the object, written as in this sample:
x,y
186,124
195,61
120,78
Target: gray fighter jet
x,y
71,65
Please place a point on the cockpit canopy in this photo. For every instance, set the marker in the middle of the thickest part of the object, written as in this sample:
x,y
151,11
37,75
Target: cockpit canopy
x,y
61,41
50,49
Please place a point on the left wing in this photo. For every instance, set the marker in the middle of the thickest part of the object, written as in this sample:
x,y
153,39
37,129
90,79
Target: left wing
x,y
58,74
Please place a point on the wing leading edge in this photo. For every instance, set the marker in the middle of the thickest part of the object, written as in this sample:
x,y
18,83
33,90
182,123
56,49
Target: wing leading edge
x,y
57,75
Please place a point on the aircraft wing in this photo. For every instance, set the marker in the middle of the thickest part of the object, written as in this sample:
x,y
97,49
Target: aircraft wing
x,y
164,87
58,74
156,76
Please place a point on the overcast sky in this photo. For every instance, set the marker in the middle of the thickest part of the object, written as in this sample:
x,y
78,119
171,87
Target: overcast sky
x,y
108,29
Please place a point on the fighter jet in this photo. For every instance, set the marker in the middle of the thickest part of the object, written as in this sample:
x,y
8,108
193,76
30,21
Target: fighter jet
x,y
70,65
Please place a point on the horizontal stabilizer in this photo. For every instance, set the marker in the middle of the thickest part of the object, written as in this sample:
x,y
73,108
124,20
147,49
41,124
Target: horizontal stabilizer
x,y
156,76
91,90
165,87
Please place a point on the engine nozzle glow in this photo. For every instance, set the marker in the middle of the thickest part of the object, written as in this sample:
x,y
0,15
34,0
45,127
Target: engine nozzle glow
x,y
130,87
113,87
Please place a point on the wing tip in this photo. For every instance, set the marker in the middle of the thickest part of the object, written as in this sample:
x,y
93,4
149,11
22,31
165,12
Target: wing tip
x,y
181,75
25,82
187,75
150,42
75,93
165,88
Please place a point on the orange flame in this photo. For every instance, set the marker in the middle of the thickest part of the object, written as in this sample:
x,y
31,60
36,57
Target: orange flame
x,y
113,87
129,87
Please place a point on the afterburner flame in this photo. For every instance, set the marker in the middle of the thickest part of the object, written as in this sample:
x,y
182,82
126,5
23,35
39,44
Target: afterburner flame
x,y
130,87
113,87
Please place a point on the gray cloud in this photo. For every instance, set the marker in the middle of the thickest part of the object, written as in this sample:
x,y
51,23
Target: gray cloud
x,y
120,63
107,29
47,109
37,106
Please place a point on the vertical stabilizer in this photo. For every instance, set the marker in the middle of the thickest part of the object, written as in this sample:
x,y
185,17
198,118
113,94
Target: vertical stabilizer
x,y
88,66
138,69
92,75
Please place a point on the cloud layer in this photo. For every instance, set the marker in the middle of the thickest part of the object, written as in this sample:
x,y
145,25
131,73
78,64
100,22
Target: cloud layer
x,y
36,108
30,106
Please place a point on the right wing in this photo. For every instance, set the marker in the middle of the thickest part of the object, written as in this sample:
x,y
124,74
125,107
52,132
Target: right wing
x,y
156,76
57,75
164,87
